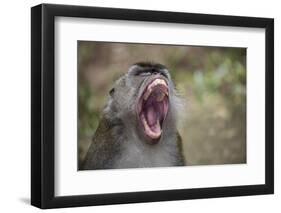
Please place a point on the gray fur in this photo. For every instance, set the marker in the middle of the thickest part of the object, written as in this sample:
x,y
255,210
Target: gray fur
x,y
118,143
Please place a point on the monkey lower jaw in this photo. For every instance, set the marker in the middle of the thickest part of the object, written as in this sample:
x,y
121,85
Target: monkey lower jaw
x,y
154,131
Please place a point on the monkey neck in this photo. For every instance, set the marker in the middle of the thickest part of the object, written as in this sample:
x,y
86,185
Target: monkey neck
x,y
138,153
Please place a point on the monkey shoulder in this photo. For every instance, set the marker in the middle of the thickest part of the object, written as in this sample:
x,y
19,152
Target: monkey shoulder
x,y
105,146
181,159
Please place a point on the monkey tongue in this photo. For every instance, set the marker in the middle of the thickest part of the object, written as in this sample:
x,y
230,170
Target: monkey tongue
x,y
153,119
151,116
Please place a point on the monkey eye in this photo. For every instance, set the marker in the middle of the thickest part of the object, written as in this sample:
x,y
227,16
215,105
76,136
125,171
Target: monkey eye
x,y
112,91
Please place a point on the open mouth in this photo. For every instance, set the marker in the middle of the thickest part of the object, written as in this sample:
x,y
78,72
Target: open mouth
x,y
153,107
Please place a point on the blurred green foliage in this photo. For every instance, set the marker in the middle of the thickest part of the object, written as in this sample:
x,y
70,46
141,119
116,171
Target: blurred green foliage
x,y
88,114
212,81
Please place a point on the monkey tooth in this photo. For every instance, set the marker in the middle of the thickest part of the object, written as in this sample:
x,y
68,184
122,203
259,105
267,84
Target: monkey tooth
x,y
146,95
160,83
156,82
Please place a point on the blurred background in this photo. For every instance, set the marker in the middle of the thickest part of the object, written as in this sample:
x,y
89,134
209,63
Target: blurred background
x,y
212,81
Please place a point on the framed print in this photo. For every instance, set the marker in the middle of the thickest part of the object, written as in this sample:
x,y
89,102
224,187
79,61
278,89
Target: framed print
x,y
138,106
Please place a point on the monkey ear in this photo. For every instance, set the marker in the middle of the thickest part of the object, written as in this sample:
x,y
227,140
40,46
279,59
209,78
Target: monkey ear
x,y
111,92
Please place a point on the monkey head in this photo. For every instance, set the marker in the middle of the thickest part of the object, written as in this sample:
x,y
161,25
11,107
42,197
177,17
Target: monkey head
x,y
144,100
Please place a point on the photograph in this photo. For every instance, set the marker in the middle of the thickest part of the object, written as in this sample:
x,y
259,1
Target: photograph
x,y
160,105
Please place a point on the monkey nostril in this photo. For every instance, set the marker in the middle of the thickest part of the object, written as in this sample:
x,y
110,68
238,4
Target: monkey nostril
x,y
153,72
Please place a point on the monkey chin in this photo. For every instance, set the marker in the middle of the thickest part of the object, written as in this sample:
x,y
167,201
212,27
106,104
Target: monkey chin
x,y
153,108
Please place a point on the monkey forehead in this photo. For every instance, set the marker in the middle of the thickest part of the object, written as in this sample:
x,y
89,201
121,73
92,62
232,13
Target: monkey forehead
x,y
150,65
142,67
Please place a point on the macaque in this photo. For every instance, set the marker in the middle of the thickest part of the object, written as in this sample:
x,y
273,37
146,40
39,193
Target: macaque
x,y
138,126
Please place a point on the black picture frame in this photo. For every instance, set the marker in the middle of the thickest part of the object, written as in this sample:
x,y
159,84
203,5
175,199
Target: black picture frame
x,y
43,105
